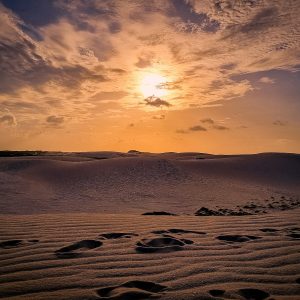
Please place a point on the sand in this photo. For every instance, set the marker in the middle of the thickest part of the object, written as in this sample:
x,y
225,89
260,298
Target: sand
x,y
140,226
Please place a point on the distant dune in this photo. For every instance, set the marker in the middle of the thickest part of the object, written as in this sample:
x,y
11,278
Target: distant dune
x,y
171,226
138,182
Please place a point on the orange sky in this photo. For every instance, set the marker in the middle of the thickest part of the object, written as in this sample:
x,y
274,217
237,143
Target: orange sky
x,y
207,76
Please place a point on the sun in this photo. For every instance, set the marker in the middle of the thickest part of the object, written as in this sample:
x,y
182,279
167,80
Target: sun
x,y
152,85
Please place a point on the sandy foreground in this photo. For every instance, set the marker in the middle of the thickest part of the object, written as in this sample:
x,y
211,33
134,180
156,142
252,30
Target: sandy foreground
x,y
73,226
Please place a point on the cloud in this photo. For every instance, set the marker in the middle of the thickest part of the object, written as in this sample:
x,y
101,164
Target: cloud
x,y
267,80
143,62
207,120
220,127
192,22
55,120
156,102
213,124
181,131
73,56
170,85
8,119
197,128
279,123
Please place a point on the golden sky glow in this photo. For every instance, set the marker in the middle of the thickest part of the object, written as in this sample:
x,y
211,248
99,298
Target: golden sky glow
x,y
209,76
152,84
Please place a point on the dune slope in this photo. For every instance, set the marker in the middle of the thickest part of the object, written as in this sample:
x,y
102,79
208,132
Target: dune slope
x,y
144,182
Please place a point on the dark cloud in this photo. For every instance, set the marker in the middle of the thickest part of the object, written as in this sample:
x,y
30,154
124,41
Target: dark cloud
x,y
156,102
207,121
24,63
32,32
21,65
193,21
279,123
117,71
55,120
213,124
8,119
197,128
114,27
262,20
143,63
220,127
229,66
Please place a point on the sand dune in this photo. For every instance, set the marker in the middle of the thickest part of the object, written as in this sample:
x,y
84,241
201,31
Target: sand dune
x,y
192,258
108,225
144,182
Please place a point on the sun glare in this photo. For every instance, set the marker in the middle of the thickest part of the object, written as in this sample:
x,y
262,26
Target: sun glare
x,y
151,85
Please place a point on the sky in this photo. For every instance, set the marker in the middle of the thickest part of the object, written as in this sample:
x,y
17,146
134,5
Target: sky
x,y
216,76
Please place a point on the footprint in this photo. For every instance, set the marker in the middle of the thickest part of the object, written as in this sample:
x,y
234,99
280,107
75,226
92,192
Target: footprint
x,y
70,251
294,233
271,230
117,235
33,241
253,294
165,244
10,244
177,231
131,290
158,213
16,243
216,293
237,238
